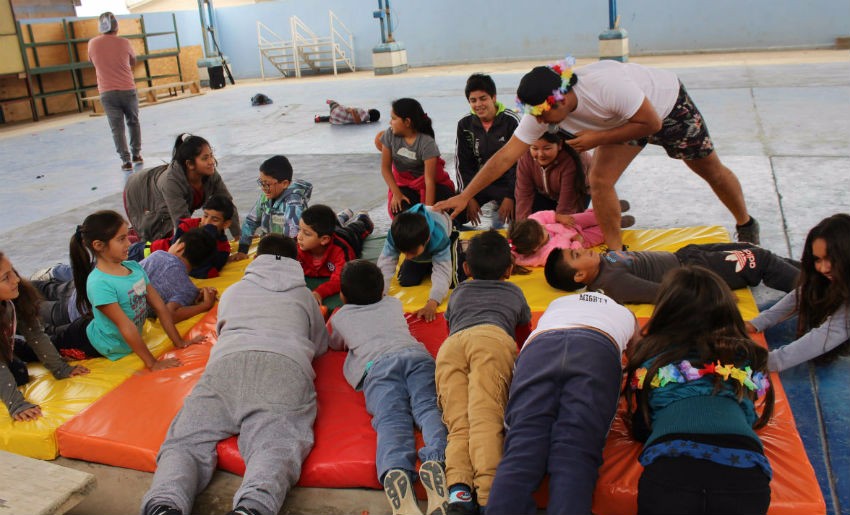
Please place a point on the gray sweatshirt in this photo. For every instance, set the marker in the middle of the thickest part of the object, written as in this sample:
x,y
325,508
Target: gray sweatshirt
x,y
271,310
369,332
833,332
34,335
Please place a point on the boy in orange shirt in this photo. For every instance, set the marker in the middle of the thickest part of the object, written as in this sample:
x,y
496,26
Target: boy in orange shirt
x,y
327,241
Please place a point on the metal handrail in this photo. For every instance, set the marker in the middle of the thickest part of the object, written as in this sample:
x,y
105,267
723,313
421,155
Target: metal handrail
x,y
348,42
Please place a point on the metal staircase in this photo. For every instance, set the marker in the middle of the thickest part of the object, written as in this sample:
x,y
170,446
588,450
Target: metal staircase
x,y
306,51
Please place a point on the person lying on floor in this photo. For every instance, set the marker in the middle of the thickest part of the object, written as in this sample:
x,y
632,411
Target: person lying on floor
x,y
635,276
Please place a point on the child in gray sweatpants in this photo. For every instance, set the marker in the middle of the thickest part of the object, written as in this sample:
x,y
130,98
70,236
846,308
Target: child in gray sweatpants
x,y
258,384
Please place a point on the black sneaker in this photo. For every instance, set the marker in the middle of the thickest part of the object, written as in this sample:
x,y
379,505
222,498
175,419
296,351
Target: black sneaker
x,y
748,233
624,206
364,217
241,510
626,221
127,166
462,508
162,509
138,159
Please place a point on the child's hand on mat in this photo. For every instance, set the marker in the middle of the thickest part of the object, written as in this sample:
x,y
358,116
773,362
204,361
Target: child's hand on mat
x,y
239,256
79,370
28,414
165,363
429,311
197,339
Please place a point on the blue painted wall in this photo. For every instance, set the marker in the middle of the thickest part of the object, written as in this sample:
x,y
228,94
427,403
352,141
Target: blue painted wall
x,y
451,31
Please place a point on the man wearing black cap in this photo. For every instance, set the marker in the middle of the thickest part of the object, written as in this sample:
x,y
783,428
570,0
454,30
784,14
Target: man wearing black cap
x,y
113,59
617,109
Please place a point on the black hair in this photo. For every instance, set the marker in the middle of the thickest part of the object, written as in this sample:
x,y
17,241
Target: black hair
x,y
818,297
277,245
362,282
98,226
580,177
410,108
222,204
277,167
374,115
489,256
559,274
480,82
526,236
538,84
696,318
186,148
320,218
199,246
409,231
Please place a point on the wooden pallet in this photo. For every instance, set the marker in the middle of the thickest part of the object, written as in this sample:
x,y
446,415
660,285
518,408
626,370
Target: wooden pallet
x,y
153,94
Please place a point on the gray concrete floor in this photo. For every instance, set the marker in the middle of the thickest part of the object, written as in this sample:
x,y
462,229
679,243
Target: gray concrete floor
x,y
780,120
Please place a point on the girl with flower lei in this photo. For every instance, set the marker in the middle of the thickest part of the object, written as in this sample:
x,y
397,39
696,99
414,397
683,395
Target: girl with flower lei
x,y
693,383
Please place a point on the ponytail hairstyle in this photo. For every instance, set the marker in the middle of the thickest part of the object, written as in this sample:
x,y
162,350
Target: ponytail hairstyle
x,y
99,226
696,318
26,310
818,297
186,148
526,236
412,109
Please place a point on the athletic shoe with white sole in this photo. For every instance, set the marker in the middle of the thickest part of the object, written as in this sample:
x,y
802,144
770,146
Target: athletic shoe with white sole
x,y
399,491
433,477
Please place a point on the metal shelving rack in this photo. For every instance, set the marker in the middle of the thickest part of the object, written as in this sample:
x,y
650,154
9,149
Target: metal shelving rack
x,y
35,71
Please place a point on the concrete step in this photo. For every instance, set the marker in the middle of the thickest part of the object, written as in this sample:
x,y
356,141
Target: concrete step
x,y
34,487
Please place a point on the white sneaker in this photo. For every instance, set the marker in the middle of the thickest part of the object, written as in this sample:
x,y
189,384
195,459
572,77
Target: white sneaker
x,y
433,477
400,493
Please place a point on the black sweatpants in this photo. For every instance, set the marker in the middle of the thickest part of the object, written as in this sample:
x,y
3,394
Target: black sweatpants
x,y
742,264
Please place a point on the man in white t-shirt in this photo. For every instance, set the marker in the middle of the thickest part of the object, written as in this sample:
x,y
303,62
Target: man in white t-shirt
x,y
617,109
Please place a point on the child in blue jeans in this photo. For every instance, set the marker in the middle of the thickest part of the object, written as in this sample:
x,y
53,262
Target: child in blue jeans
x,y
396,374
562,401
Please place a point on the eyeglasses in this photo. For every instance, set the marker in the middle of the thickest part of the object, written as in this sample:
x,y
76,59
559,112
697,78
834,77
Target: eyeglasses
x,y
267,185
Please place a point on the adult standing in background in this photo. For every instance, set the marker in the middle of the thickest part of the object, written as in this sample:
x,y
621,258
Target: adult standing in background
x,y
113,59
480,134
617,109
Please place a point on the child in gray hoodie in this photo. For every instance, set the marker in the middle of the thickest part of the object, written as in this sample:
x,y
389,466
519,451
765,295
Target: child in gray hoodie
x,y
258,384
396,374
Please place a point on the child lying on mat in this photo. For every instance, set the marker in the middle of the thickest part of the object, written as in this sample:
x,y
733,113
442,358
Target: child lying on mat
x,y
474,369
635,276
533,239
396,374
258,384
218,215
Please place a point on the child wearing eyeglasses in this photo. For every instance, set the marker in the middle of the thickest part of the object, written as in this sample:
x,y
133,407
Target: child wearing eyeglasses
x,y
279,206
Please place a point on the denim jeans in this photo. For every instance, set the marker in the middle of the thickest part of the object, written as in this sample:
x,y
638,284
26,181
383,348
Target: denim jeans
x,y
121,106
400,392
562,401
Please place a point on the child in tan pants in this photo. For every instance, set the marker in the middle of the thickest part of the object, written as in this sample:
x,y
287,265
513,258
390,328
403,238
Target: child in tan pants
x,y
474,368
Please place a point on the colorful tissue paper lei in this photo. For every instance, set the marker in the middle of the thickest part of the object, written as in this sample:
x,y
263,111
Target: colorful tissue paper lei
x,y
684,372
564,68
